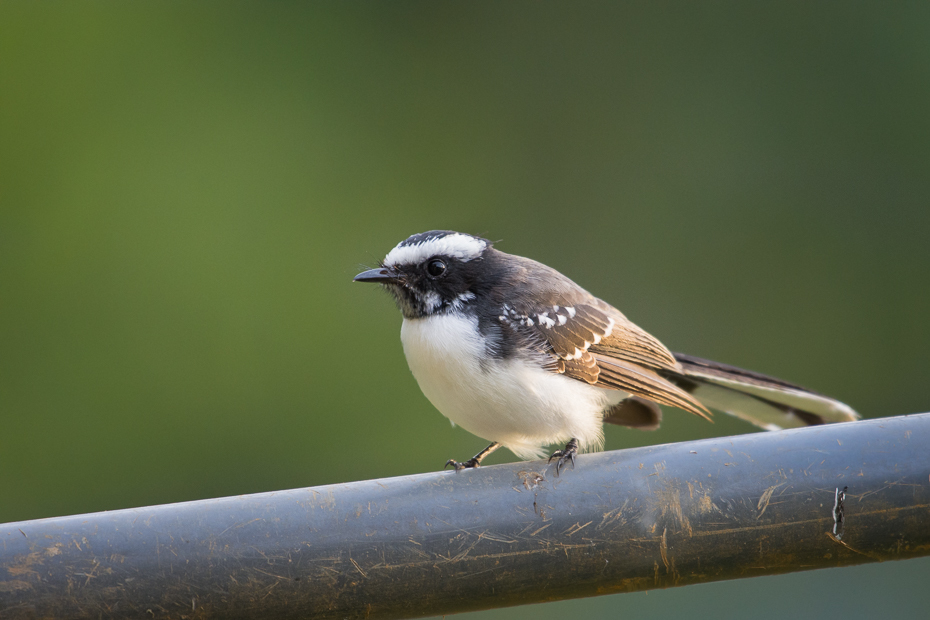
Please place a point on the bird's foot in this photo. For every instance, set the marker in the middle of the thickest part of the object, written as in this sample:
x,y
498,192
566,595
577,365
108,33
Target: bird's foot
x,y
475,461
566,455
472,463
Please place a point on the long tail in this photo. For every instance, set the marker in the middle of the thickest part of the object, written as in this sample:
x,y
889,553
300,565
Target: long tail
x,y
767,402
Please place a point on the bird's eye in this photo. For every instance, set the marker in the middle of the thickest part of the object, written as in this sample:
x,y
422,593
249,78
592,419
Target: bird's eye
x,y
435,268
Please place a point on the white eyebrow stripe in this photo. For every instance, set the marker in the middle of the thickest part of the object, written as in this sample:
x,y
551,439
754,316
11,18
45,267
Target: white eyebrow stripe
x,y
462,247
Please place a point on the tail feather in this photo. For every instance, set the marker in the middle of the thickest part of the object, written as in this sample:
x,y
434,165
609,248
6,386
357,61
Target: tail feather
x,y
767,402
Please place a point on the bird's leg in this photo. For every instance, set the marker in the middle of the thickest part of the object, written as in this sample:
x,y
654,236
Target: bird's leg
x,y
474,461
568,454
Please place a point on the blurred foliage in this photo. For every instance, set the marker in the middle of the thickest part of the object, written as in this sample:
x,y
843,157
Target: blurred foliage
x,y
186,191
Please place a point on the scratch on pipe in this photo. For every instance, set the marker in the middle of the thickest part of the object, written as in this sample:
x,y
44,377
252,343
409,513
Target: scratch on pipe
x,y
488,556
769,526
887,484
496,538
269,589
238,525
461,555
487,570
531,479
610,517
358,568
868,555
705,505
23,566
764,500
663,549
15,585
576,528
454,528
670,498
264,572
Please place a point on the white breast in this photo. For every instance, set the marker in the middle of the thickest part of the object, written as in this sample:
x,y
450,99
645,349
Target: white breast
x,y
513,402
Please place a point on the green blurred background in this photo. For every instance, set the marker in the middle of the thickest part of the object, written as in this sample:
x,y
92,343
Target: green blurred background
x,y
186,191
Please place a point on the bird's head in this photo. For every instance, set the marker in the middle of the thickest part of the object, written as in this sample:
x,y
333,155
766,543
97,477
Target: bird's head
x,y
432,272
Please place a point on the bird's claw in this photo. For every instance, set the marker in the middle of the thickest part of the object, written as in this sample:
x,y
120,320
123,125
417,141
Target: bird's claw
x,y
471,463
564,456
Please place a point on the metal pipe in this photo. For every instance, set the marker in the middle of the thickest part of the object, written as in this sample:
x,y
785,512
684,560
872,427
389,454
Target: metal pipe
x,y
447,542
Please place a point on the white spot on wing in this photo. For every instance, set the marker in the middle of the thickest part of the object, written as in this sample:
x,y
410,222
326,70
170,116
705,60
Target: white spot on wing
x,y
562,319
571,312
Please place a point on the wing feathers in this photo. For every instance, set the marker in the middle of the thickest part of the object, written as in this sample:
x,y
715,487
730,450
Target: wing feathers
x,y
597,327
646,383
584,368
593,342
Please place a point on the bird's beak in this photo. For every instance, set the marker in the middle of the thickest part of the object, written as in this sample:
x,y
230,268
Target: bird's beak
x,y
381,274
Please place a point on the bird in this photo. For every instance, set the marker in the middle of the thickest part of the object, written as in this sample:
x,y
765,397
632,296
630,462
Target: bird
x,y
515,352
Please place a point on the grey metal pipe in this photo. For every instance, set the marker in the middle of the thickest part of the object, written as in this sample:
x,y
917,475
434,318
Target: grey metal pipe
x,y
448,542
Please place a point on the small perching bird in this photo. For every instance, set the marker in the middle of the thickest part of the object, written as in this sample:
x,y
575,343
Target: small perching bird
x,y
515,352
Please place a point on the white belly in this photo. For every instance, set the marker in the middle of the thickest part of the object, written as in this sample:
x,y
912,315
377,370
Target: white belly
x,y
513,402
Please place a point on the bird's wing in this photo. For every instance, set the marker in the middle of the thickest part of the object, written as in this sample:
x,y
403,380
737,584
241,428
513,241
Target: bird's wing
x,y
595,343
